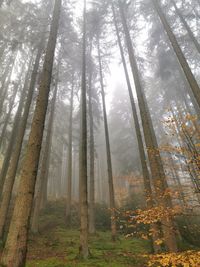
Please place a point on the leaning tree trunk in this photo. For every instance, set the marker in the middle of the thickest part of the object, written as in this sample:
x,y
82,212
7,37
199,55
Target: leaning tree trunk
x,y
69,159
145,172
11,169
16,89
42,176
6,74
146,175
158,175
11,143
10,108
6,82
92,180
108,152
6,196
183,62
189,31
14,253
84,251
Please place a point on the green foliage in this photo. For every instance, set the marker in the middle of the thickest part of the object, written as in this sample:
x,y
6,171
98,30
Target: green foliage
x,y
102,217
190,231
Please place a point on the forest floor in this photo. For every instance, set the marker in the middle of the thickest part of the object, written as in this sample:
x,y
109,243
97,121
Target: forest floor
x,y
58,246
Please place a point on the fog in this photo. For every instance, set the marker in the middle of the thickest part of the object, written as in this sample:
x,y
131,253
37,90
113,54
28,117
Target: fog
x,y
99,133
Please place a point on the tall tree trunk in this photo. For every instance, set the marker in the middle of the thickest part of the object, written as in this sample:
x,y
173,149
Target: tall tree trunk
x,y
6,196
6,73
16,89
6,82
69,159
145,172
20,134
157,171
44,198
108,152
183,62
92,180
42,176
14,253
84,251
190,33
10,108
146,175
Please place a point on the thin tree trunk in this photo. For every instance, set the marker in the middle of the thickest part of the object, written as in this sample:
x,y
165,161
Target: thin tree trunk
x,y
6,82
6,73
92,181
109,161
16,89
190,33
157,171
14,253
188,73
42,176
20,134
145,172
10,108
146,175
44,198
84,251
69,159
6,196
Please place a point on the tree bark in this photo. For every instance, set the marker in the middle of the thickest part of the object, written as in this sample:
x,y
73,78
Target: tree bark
x,y
42,176
108,153
92,175
6,196
6,82
20,134
145,172
156,166
7,118
83,250
69,158
14,253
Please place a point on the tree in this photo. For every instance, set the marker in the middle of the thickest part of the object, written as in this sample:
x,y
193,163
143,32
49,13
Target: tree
x,y
8,173
145,172
41,180
14,253
69,163
188,73
83,250
92,159
190,33
6,182
108,152
159,179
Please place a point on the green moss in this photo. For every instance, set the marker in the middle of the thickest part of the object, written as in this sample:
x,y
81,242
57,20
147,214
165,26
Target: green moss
x,y
59,248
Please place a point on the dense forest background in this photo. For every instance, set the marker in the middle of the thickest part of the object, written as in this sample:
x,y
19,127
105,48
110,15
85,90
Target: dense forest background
x,y
99,133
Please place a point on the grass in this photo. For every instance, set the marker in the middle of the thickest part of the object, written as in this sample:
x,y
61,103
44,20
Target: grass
x,y
58,247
